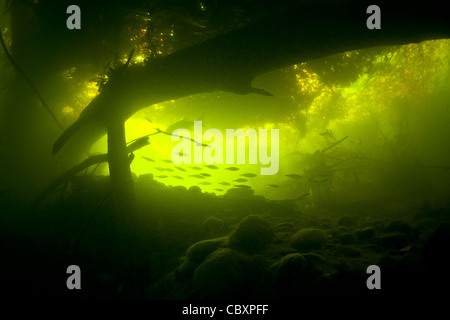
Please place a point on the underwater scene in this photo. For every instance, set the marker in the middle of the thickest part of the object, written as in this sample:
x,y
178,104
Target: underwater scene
x,y
213,150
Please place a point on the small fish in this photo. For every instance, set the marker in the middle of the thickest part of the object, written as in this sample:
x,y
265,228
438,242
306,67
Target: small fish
x,y
242,186
232,168
218,189
225,183
294,176
197,176
160,169
181,169
162,176
205,183
148,159
274,185
148,120
205,174
321,178
167,161
181,154
196,168
240,180
210,166
168,169
249,175
178,177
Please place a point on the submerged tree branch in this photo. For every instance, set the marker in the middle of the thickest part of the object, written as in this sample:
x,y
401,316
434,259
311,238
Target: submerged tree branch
x,y
92,160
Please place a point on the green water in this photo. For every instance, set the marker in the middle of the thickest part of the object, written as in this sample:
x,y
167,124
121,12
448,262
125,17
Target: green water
x,y
363,166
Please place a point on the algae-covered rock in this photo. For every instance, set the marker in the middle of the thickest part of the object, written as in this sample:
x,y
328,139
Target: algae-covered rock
x,y
196,254
365,234
239,193
195,189
200,250
399,226
309,239
347,238
346,221
289,271
213,226
395,241
219,277
253,234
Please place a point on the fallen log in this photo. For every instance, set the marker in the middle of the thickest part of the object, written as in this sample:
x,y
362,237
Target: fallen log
x,y
230,61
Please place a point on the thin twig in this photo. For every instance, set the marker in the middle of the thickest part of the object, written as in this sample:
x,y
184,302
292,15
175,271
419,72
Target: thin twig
x,y
30,83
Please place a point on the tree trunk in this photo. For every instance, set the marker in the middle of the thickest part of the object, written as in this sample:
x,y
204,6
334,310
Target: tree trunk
x,y
119,167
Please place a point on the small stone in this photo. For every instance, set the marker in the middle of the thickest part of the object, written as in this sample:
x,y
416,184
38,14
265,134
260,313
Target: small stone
x,y
213,226
346,221
220,276
290,271
347,238
399,226
308,240
393,241
365,234
253,234
200,250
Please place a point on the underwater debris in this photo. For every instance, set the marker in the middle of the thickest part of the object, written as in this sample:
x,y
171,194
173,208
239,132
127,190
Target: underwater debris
x,y
252,235
244,186
92,160
273,185
232,168
147,158
225,183
163,176
294,176
240,180
205,174
197,176
249,175
321,178
178,177
211,166
196,168
181,169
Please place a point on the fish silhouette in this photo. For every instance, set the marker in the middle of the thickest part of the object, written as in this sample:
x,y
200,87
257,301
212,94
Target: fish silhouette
x,y
148,159
249,175
294,176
